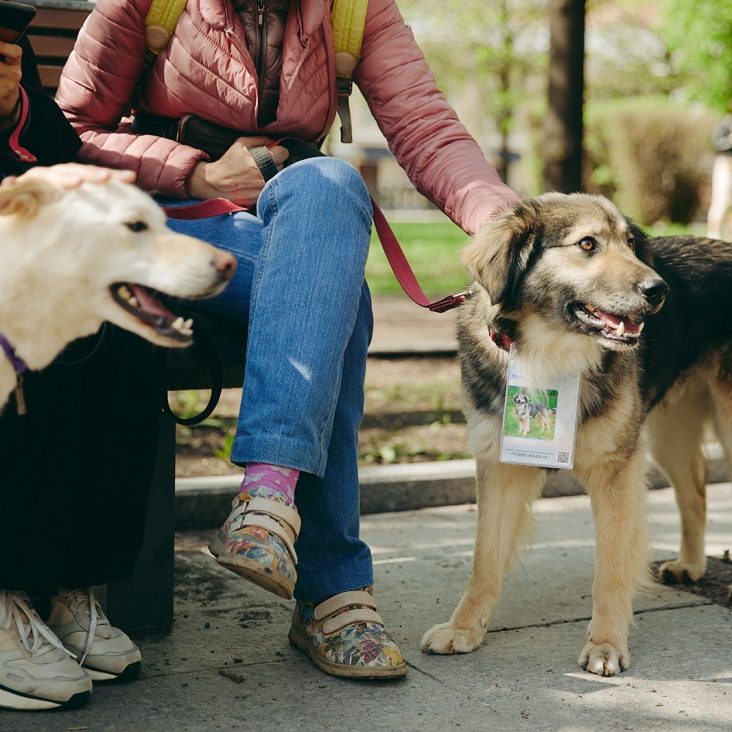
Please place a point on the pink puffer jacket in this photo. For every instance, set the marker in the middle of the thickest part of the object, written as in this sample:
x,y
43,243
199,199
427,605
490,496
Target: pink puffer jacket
x,y
206,70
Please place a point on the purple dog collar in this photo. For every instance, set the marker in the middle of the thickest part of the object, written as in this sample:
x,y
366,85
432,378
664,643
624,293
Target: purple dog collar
x,y
18,363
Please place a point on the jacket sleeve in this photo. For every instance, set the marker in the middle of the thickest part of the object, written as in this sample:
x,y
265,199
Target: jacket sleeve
x,y
440,157
96,89
42,134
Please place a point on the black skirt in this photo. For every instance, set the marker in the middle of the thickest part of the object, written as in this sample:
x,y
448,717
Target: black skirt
x,y
75,470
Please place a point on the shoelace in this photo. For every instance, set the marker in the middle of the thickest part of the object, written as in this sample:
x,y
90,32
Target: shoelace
x,y
15,607
86,597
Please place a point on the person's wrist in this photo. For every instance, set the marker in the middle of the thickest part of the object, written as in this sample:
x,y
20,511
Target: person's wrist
x,y
197,186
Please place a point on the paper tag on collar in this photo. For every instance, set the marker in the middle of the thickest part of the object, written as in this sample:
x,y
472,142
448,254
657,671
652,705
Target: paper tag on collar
x,y
539,421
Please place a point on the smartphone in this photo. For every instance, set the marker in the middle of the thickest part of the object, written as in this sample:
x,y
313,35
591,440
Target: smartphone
x,y
14,20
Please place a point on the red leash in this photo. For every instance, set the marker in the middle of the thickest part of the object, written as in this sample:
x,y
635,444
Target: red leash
x,y
393,251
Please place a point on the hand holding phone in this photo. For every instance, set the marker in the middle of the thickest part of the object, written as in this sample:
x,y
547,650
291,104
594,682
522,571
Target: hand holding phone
x,y
10,77
14,20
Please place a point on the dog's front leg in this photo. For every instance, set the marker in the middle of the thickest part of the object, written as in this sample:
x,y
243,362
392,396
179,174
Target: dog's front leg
x,y
617,492
505,494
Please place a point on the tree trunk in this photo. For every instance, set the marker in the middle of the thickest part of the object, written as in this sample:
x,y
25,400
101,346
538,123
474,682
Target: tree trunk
x,y
563,125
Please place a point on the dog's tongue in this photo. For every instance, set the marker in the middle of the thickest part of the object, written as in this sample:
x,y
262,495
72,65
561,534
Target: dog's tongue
x,y
148,303
615,320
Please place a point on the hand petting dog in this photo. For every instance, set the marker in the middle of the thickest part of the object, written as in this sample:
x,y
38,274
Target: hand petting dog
x,y
72,175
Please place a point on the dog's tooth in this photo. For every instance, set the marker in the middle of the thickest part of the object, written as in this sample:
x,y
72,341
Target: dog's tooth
x,y
178,324
640,327
620,329
125,292
188,323
132,300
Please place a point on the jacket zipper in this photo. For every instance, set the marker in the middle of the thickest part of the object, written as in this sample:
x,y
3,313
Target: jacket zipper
x,y
229,30
261,46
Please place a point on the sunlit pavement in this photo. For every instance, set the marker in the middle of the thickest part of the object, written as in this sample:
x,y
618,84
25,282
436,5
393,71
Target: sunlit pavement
x,y
524,676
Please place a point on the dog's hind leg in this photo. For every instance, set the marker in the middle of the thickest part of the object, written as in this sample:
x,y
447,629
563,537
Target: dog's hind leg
x,y
505,495
675,430
617,493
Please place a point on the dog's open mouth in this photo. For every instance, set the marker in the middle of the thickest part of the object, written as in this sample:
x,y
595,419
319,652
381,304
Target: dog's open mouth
x,y
140,302
618,328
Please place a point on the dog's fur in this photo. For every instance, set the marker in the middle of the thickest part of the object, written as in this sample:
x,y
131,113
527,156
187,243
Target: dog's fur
x,y
532,267
66,257
526,409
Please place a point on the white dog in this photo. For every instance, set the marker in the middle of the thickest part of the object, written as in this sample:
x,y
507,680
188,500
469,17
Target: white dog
x,y
73,258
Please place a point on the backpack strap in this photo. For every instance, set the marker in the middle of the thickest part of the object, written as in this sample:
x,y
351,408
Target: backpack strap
x,y
349,19
160,22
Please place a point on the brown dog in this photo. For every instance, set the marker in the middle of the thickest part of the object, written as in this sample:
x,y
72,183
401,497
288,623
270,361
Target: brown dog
x,y
572,284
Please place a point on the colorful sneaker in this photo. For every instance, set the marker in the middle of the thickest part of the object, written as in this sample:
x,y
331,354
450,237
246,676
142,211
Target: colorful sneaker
x,y
257,542
345,636
36,671
104,652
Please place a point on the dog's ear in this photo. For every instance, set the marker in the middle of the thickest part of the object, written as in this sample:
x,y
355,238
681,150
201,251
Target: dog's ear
x,y
640,238
499,254
24,195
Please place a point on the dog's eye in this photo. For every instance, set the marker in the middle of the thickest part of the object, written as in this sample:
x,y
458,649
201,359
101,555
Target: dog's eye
x,y
588,244
136,226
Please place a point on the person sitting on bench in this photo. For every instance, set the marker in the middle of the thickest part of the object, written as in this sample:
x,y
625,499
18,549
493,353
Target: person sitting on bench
x,y
299,297
76,451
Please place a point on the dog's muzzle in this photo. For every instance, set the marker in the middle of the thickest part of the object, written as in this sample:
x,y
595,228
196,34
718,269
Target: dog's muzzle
x,y
654,291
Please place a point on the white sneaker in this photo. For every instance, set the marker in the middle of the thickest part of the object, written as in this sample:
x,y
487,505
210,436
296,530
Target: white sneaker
x,y
36,671
104,652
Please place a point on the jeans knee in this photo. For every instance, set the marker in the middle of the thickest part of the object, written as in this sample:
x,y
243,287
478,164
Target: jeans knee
x,y
335,182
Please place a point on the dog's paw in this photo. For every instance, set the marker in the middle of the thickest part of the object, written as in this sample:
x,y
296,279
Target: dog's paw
x,y
683,573
604,659
446,639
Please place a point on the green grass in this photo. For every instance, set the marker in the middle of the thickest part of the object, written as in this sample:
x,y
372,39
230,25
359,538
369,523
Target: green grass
x,y
433,251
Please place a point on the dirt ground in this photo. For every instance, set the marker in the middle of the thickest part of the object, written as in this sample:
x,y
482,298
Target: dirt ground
x,y
412,415
716,584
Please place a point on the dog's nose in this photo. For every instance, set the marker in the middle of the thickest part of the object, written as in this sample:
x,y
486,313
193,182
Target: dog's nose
x,y
654,290
225,264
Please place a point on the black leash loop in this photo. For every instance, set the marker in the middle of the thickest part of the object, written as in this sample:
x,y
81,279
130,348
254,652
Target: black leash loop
x,y
205,346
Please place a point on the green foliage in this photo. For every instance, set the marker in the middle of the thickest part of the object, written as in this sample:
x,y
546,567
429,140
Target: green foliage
x,y
433,250
699,34
490,47
224,452
650,155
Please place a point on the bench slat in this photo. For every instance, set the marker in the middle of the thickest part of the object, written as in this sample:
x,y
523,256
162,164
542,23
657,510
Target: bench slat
x,y
52,35
59,20
50,76
54,48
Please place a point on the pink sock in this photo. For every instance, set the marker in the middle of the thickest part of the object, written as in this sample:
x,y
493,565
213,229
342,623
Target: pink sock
x,y
263,480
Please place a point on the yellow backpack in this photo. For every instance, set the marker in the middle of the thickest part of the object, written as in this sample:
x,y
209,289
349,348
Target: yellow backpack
x,y
349,18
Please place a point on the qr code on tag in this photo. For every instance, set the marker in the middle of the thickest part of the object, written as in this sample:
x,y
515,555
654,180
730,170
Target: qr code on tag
x,y
562,457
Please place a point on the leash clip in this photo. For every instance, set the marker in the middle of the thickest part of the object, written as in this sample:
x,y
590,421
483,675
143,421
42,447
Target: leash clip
x,y
20,397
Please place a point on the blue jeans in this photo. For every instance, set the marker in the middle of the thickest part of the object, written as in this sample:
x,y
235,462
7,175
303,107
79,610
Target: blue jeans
x,y
300,297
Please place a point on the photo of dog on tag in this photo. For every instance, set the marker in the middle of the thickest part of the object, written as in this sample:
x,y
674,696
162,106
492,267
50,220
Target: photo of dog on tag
x,y
530,413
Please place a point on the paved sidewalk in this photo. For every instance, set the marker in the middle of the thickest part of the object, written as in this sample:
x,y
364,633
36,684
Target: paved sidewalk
x,y
403,328
524,676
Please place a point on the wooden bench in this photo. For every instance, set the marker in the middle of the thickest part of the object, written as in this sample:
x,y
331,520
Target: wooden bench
x,y
52,35
145,601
